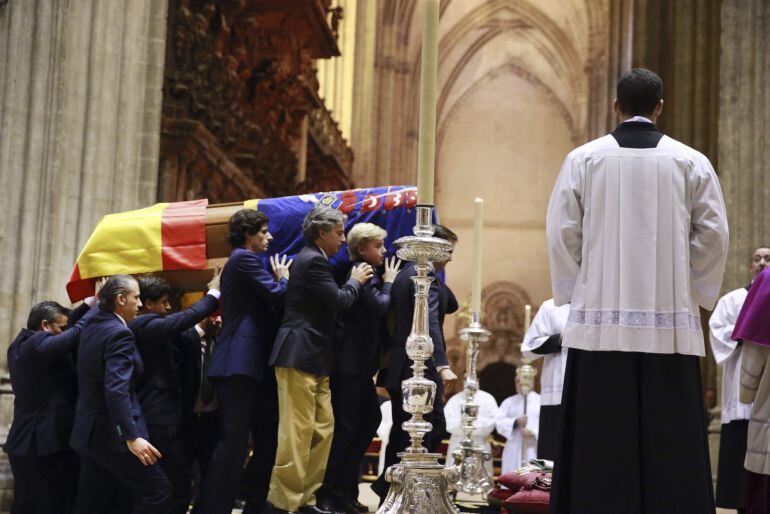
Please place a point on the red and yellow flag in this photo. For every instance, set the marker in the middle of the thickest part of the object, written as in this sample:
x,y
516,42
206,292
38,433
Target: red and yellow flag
x,y
164,237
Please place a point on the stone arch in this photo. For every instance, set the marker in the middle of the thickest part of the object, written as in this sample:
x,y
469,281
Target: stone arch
x,y
499,17
575,131
502,305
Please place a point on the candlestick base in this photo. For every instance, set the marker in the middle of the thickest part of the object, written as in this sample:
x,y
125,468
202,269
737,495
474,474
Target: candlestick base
x,y
419,484
473,476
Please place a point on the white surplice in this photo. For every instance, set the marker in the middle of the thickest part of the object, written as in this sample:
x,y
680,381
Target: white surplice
x,y
728,353
549,320
383,432
510,410
634,279
485,423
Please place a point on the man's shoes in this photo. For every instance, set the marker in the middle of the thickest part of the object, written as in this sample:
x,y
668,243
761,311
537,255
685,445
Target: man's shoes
x,y
347,507
314,509
269,509
360,507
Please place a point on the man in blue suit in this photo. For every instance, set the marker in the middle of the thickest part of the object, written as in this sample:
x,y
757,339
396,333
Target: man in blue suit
x,y
441,301
44,468
252,299
160,390
302,356
109,432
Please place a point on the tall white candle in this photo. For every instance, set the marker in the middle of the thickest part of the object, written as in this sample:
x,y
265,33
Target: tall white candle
x,y
428,93
478,229
527,316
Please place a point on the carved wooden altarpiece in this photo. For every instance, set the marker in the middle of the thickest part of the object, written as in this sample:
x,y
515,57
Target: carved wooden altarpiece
x,y
241,113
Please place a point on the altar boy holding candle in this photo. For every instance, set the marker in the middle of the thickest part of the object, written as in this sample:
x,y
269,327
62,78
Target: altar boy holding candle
x,y
637,240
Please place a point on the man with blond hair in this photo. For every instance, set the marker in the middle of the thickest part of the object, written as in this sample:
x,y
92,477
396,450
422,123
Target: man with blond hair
x,y
357,347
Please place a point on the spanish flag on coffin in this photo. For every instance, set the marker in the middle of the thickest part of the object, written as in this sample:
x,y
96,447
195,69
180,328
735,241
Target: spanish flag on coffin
x,y
163,237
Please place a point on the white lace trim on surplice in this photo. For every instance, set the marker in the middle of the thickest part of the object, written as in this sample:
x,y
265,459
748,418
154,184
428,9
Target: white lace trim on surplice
x,y
634,319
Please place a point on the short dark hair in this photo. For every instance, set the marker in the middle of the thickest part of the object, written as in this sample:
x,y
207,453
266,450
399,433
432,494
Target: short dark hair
x,y
639,91
115,285
320,217
443,232
152,288
45,311
242,223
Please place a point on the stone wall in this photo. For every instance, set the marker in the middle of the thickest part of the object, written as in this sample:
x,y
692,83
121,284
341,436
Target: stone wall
x,y
80,117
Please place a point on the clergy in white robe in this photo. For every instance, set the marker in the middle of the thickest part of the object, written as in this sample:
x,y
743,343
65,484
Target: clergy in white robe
x,y
637,239
519,426
543,339
485,423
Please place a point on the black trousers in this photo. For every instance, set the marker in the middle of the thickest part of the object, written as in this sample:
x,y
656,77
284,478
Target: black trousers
x,y
758,496
245,406
255,481
117,483
548,431
170,443
356,418
632,436
44,485
732,477
200,441
399,439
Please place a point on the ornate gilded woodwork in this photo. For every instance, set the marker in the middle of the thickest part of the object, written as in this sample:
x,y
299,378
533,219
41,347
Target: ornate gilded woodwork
x,y
241,105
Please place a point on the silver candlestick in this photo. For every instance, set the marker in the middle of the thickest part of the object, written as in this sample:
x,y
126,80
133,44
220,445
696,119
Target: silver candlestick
x,y
419,484
471,457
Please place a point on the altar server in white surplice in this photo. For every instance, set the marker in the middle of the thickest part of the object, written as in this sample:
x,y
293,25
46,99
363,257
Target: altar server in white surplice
x,y
543,339
519,425
731,475
485,423
637,240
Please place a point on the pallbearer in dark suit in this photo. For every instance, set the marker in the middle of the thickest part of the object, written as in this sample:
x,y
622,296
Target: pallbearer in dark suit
x,y
441,301
357,351
109,432
252,297
44,467
198,398
160,389
302,356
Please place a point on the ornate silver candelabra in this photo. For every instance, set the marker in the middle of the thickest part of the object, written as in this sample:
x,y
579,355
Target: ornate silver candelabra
x,y
470,456
419,484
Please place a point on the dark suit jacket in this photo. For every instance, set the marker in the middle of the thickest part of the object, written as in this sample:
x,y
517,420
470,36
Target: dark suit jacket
x,y
357,344
313,300
441,301
159,390
251,303
188,344
43,406
109,366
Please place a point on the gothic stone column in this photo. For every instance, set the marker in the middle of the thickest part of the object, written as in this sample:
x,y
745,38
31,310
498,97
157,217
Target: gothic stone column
x,y
80,98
